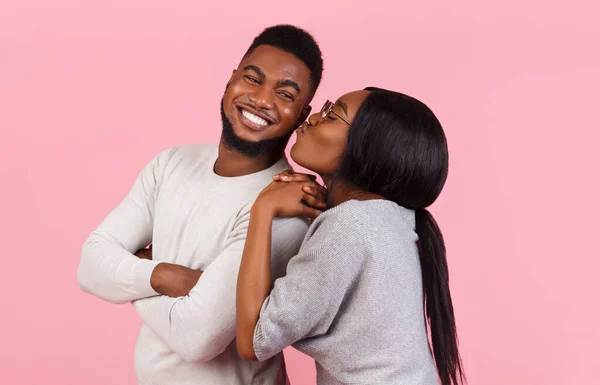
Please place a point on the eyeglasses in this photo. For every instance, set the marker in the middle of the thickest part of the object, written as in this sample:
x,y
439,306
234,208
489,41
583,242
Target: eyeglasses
x,y
328,109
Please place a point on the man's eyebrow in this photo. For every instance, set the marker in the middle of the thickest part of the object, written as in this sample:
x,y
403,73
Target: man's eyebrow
x,y
289,83
344,106
258,71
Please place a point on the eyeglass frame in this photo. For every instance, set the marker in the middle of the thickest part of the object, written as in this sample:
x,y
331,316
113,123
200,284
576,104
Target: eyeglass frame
x,y
328,109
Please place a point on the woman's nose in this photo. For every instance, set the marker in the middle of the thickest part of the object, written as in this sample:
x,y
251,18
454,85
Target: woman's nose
x,y
314,119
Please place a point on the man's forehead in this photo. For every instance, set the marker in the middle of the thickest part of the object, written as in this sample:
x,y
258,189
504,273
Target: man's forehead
x,y
276,62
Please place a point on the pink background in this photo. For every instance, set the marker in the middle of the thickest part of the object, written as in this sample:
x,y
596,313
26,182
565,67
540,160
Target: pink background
x,y
91,90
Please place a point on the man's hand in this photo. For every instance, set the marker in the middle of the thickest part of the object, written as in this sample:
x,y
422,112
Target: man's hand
x,y
174,280
144,253
170,279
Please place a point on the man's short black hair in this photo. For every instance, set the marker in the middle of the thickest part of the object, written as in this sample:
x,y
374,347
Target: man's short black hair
x,y
296,41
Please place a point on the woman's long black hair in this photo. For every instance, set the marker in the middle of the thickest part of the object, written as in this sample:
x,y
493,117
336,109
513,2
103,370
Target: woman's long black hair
x,y
397,148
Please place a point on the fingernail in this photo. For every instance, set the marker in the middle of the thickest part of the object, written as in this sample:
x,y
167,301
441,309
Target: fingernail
x,y
285,177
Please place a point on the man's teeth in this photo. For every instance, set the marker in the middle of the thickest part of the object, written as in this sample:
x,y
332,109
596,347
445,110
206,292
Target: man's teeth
x,y
254,119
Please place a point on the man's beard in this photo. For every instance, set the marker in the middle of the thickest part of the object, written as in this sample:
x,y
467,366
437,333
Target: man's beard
x,y
247,148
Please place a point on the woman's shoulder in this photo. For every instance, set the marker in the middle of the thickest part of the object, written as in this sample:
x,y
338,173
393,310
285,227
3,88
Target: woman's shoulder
x,y
356,223
357,215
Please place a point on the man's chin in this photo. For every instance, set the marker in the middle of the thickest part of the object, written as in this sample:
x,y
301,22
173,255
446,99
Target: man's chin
x,y
247,141
247,134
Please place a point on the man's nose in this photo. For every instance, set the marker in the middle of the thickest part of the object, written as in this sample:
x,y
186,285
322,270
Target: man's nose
x,y
262,98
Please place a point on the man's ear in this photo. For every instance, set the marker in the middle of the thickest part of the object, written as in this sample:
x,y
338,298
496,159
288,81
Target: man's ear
x,y
304,114
231,78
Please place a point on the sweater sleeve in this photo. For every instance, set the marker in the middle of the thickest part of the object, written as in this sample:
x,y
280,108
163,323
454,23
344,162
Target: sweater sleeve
x,y
108,269
306,300
201,325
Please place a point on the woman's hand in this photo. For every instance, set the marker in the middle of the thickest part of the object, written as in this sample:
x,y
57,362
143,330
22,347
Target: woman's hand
x,y
290,175
305,198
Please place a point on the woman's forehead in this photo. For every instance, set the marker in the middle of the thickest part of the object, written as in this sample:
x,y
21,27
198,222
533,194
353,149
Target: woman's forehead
x,y
351,101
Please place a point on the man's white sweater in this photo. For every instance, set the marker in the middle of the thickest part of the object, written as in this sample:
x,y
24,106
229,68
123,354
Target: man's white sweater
x,y
196,218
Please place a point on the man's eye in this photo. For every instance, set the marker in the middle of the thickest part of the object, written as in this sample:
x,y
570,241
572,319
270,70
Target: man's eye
x,y
252,80
286,95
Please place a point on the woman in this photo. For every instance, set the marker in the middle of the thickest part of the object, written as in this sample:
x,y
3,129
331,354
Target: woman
x,y
354,297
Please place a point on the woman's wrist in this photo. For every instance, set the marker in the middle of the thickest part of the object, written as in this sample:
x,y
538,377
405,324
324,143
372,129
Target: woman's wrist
x,y
263,209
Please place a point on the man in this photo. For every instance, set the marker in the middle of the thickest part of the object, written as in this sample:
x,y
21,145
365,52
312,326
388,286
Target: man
x,y
192,203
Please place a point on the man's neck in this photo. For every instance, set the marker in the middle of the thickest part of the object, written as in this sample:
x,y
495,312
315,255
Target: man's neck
x,y
231,163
